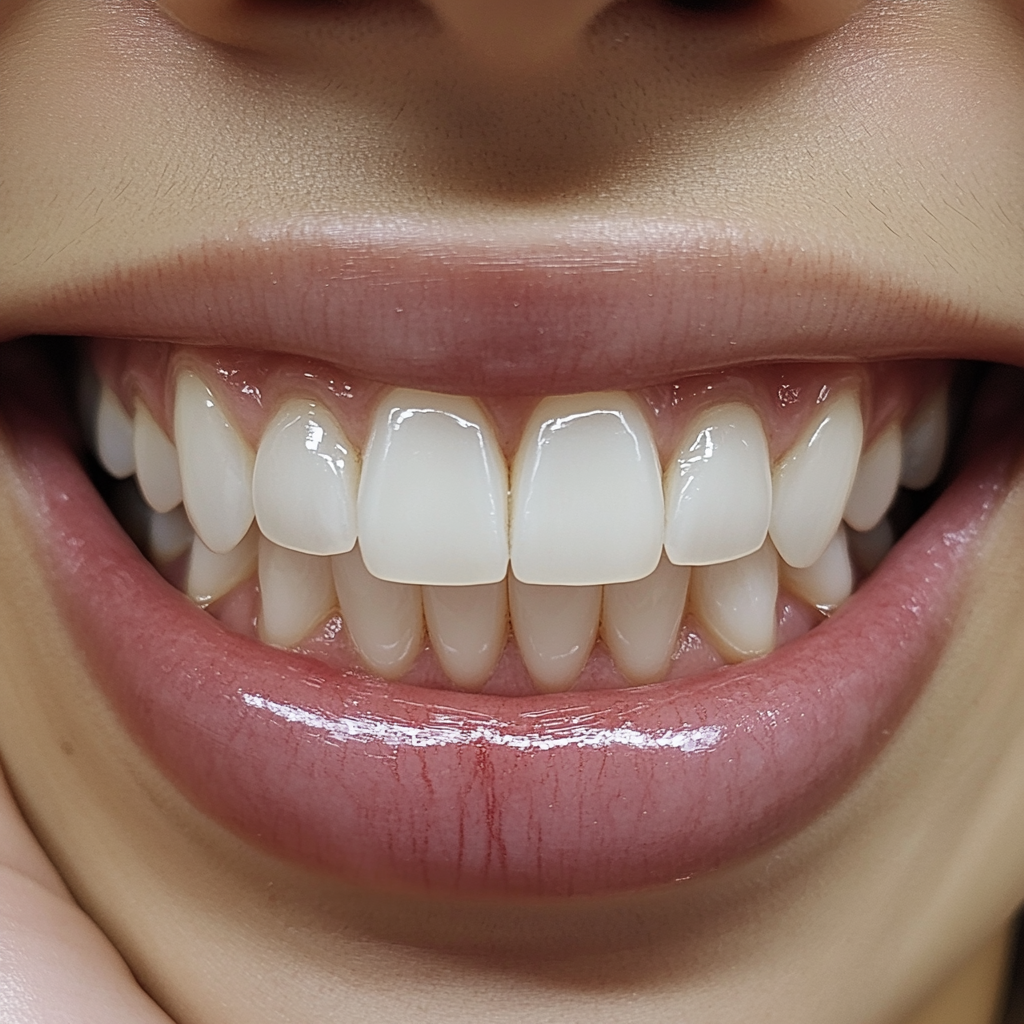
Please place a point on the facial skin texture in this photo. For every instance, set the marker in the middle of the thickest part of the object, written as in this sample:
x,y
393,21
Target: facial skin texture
x,y
889,131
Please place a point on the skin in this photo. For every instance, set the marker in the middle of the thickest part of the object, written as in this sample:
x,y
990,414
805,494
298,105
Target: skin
x,y
891,130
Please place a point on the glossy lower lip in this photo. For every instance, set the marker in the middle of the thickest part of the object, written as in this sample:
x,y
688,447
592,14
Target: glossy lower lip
x,y
546,796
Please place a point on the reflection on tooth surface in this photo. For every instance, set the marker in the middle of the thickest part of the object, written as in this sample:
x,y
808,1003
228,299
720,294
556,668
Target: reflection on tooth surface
x,y
114,436
876,482
812,482
829,581
216,466
736,601
305,481
640,621
468,627
924,442
718,489
587,504
212,574
296,593
555,629
384,620
156,463
433,499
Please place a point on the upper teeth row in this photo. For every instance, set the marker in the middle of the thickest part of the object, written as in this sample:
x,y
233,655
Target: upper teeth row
x,y
431,502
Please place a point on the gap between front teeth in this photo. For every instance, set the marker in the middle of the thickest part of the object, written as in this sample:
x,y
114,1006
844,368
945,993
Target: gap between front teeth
x,y
416,537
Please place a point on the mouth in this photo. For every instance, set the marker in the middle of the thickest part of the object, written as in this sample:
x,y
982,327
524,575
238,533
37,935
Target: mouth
x,y
506,637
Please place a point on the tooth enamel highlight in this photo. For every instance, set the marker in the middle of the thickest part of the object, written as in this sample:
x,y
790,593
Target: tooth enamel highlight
x,y
587,504
156,463
640,621
468,628
718,489
216,466
555,628
296,593
876,482
811,485
384,620
170,535
829,581
433,500
924,441
305,481
114,436
213,574
868,549
736,602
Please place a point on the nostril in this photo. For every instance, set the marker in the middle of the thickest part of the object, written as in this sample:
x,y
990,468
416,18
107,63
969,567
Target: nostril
x,y
713,6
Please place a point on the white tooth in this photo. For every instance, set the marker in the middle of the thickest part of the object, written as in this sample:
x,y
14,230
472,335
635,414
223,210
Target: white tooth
x,y
114,436
213,574
868,549
305,481
718,489
296,593
156,463
736,601
640,621
468,627
812,483
829,581
433,499
216,466
587,505
170,535
555,629
384,620
876,482
924,441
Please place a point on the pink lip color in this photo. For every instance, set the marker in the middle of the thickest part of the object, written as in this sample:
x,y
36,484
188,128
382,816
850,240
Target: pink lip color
x,y
543,796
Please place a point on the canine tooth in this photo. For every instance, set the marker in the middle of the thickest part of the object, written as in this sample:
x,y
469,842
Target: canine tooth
x,y
555,628
213,574
640,621
170,535
587,505
305,481
156,463
924,441
468,627
811,485
433,499
718,489
384,619
296,593
736,601
876,482
829,581
114,436
216,466
869,548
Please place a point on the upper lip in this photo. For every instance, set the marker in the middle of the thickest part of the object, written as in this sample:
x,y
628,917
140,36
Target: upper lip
x,y
498,308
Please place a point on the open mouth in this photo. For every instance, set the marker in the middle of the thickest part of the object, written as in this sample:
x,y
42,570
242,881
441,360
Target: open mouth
x,y
547,644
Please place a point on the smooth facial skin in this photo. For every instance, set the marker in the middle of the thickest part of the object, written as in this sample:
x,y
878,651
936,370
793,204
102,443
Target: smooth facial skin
x,y
885,134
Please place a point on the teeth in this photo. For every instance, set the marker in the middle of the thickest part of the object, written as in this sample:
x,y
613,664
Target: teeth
x,y
433,500
829,581
170,536
213,574
640,621
812,483
924,442
384,620
216,467
468,627
868,549
718,489
587,504
305,481
114,436
156,463
555,629
736,601
296,591
876,482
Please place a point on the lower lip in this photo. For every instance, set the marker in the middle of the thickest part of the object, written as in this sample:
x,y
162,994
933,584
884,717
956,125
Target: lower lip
x,y
385,784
